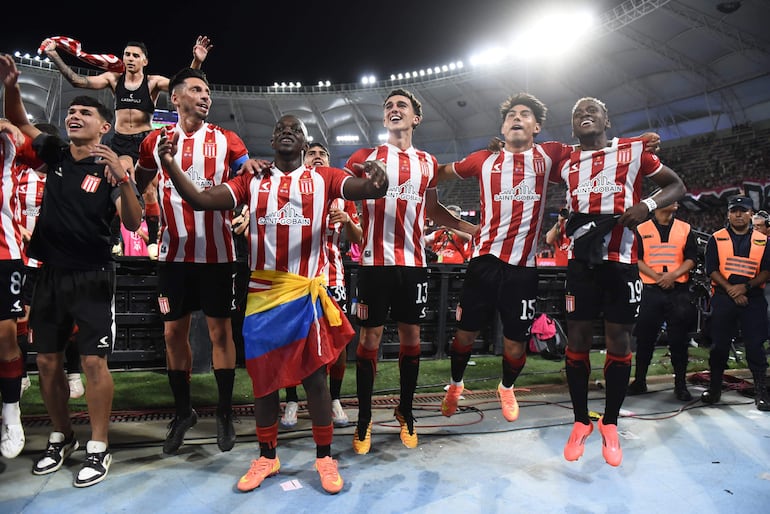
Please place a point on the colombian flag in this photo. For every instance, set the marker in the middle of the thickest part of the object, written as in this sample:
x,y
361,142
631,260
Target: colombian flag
x,y
291,328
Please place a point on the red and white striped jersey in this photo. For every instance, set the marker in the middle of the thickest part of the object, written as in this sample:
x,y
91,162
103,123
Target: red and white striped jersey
x,y
29,197
288,217
10,237
609,181
394,225
513,190
335,271
205,157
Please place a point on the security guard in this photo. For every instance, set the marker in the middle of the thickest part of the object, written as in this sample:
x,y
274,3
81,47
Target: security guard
x,y
738,263
667,252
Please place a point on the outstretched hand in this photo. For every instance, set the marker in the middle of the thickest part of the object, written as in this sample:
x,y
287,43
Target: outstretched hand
x,y
495,145
255,166
201,48
115,168
167,147
375,170
9,73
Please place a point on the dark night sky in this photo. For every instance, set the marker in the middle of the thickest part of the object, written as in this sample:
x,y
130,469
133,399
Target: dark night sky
x,y
303,41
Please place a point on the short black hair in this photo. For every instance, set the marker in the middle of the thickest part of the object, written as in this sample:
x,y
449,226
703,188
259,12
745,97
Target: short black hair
x,y
140,45
186,73
538,108
89,101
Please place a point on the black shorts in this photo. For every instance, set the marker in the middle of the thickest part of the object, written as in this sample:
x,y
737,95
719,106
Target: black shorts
x,y
611,289
128,144
184,287
493,285
11,280
28,284
65,298
400,290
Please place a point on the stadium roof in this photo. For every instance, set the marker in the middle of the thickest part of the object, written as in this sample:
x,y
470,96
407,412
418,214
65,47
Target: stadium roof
x,y
678,67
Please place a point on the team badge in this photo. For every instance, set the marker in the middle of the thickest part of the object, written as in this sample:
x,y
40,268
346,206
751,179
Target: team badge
x,y
163,305
569,303
538,163
209,150
424,169
306,186
90,183
362,311
624,155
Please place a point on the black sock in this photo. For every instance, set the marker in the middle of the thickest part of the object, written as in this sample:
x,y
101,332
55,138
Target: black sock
x,y
364,388
409,367
225,379
180,388
291,394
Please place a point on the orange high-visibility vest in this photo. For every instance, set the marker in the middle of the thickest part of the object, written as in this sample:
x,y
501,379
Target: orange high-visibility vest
x,y
658,254
731,264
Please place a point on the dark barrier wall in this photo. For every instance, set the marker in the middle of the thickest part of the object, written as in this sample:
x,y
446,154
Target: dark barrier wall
x,y
139,343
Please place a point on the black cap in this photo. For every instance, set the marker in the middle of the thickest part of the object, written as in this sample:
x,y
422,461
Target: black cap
x,y
740,202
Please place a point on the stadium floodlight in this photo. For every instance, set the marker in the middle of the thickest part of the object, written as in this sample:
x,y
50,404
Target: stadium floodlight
x,y
347,138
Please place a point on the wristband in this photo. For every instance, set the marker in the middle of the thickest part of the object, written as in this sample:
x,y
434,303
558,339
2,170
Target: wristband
x,y
650,203
125,180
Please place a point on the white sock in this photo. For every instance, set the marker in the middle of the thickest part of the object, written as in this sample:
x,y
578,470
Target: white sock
x,y
12,413
96,447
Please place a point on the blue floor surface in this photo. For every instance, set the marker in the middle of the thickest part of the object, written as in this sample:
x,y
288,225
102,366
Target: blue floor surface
x,y
677,458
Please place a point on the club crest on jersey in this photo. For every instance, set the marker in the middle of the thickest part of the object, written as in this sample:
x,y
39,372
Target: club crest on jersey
x,y
199,180
287,215
209,150
424,168
405,191
306,186
522,192
624,155
538,163
90,183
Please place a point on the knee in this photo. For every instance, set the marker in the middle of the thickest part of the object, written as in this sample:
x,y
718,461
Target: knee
x,y
47,363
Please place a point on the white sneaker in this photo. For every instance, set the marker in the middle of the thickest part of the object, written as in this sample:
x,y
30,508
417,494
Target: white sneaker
x,y
339,417
76,385
95,467
289,418
25,384
11,440
152,251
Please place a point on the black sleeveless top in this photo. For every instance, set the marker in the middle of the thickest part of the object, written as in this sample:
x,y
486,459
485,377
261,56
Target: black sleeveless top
x,y
133,99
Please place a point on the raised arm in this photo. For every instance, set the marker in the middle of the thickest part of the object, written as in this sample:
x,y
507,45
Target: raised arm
x,y
217,198
436,211
12,102
101,81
